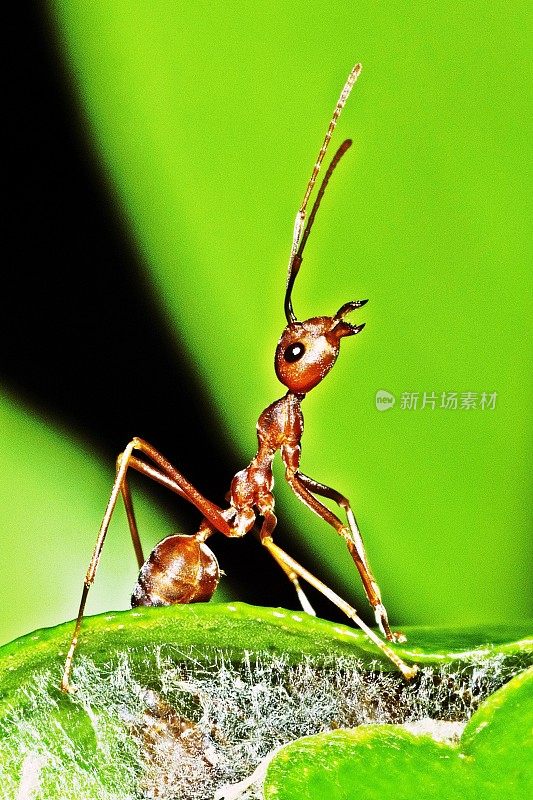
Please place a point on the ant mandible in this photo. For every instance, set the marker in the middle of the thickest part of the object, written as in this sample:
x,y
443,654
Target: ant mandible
x,y
181,568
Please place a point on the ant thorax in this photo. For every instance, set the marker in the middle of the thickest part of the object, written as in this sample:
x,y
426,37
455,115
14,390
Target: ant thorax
x,y
279,427
281,424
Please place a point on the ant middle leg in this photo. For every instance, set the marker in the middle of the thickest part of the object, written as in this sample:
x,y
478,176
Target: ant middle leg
x,y
284,558
269,523
303,487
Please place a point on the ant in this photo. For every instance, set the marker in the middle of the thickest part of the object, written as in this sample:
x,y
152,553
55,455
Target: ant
x,y
181,568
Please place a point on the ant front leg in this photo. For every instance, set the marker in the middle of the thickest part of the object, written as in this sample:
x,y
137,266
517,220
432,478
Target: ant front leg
x,y
354,541
167,475
304,487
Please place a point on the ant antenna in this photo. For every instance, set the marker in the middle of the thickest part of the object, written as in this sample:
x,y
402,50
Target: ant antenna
x,y
298,256
300,216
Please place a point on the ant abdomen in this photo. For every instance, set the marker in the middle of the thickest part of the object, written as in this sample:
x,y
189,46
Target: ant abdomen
x,y
180,569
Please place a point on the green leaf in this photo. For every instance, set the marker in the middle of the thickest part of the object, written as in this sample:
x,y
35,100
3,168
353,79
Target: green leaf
x,y
244,678
493,759
236,627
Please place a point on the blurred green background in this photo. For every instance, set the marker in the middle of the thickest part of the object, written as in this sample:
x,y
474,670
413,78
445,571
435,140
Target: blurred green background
x,y
205,120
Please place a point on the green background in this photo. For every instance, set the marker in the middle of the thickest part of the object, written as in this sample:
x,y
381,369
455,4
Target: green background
x,y
207,119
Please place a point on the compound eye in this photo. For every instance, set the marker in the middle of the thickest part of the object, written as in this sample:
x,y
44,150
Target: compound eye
x,y
294,352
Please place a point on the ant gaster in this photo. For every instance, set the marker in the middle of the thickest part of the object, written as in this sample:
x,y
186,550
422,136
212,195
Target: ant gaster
x,y
181,568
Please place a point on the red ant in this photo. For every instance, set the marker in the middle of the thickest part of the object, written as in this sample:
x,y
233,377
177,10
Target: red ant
x,y
182,569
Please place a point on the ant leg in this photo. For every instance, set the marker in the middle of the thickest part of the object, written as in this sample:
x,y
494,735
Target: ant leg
x,y
281,556
93,564
354,540
213,513
130,514
303,486
168,476
206,529
269,523
158,477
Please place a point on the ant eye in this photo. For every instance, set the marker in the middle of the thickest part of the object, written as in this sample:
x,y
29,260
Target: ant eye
x,y
294,352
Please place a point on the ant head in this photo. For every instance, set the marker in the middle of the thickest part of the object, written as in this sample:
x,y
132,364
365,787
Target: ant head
x,y
307,350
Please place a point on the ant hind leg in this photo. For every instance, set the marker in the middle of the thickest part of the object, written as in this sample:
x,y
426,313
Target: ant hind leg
x,y
167,475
